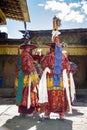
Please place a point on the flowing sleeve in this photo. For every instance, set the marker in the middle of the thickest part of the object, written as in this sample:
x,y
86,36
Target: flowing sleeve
x,y
47,61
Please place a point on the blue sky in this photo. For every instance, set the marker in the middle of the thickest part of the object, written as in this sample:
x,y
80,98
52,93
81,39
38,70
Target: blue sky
x,y
73,14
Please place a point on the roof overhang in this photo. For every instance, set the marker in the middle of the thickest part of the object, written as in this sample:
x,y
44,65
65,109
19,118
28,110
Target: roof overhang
x,y
15,10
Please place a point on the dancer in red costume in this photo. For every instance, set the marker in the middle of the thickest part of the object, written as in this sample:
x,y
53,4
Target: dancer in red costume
x,y
27,79
56,98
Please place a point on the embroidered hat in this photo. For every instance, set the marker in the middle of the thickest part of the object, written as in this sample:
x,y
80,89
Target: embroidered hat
x,y
31,46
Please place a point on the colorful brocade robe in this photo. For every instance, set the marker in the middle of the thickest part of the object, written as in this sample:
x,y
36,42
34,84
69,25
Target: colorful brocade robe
x,y
57,100
27,79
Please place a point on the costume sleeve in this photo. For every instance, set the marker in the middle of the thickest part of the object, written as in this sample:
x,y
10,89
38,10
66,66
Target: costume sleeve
x,y
47,61
65,62
27,63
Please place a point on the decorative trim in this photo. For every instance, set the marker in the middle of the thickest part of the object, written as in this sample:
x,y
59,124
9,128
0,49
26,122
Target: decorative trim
x,y
76,50
8,50
3,18
71,50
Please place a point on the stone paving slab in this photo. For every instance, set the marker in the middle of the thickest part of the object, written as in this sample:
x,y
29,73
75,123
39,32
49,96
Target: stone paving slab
x,y
10,119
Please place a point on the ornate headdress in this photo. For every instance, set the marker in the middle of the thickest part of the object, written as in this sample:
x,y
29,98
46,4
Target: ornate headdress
x,y
56,24
28,45
26,35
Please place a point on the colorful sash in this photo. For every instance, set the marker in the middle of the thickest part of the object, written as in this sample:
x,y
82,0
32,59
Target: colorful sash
x,y
57,65
20,82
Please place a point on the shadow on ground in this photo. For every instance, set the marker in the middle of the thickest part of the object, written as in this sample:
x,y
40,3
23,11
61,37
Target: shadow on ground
x,y
81,100
35,123
75,112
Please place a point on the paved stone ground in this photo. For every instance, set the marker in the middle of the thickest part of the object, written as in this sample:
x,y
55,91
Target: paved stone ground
x,y
10,119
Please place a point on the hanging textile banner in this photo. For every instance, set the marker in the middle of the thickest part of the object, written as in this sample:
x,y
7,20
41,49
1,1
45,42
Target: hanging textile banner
x,y
9,49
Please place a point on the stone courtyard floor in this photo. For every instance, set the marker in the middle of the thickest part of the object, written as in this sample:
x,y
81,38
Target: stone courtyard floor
x,y
10,119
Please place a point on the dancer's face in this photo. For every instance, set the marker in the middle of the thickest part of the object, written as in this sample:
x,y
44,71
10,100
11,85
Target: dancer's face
x,y
27,41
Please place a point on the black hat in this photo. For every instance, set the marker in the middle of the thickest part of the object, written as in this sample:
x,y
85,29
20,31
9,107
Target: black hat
x,y
31,46
52,45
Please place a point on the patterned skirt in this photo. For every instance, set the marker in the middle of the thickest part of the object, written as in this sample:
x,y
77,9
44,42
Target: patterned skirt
x,y
57,99
24,93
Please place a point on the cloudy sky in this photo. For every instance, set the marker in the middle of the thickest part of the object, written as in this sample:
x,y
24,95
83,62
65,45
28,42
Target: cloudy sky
x,y
73,14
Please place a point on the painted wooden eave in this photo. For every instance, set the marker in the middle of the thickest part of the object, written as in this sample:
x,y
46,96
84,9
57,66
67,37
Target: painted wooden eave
x,y
15,10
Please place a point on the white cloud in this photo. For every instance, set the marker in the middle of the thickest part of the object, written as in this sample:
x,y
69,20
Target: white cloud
x,y
61,0
74,5
40,4
75,16
57,6
68,11
3,29
84,7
